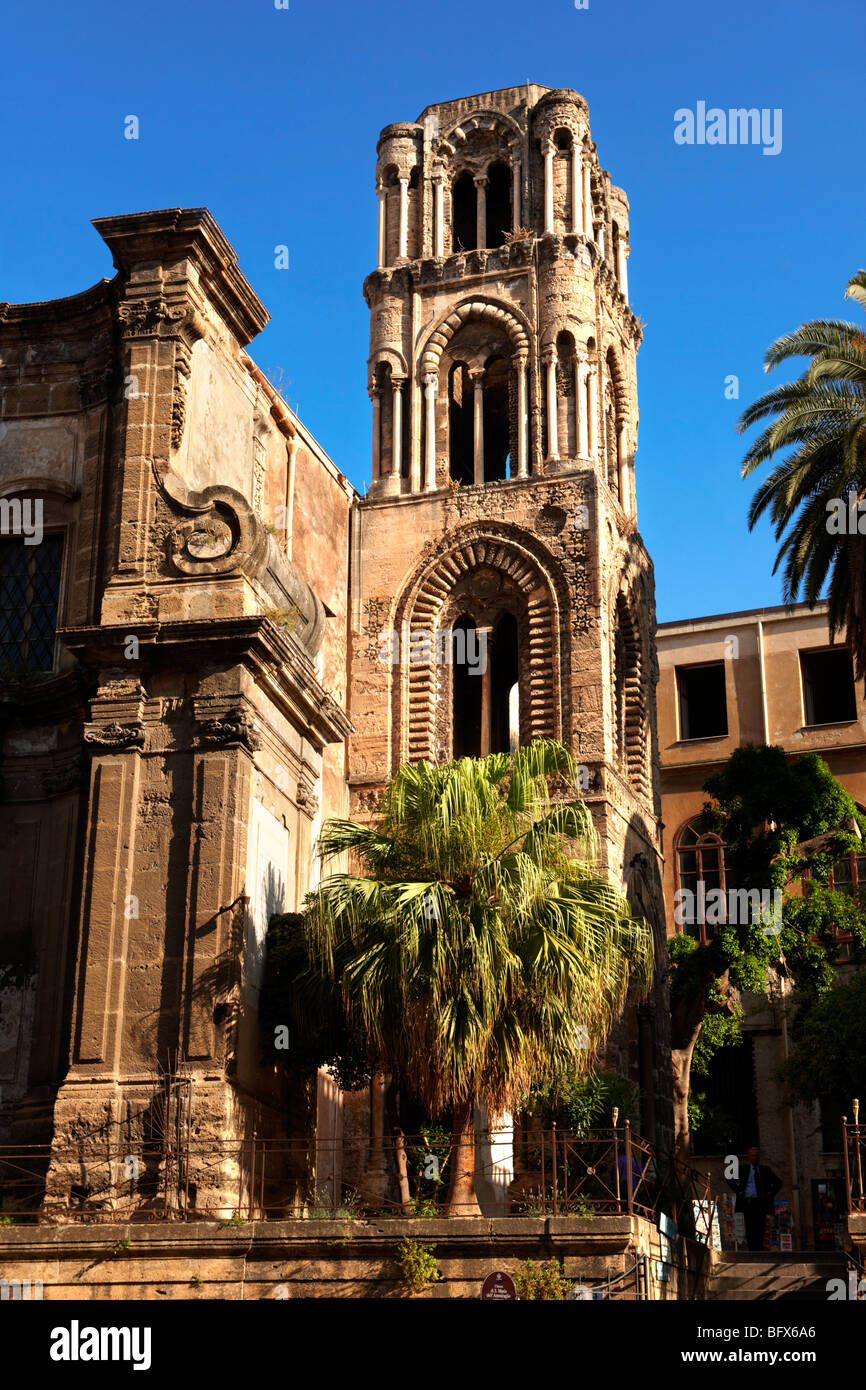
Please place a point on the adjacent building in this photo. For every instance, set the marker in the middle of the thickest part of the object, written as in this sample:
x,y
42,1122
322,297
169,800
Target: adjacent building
x,y
767,675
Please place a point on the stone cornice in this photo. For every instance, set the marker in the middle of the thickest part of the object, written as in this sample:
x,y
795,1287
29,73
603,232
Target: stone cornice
x,y
48,312
275,658
175,234
44,701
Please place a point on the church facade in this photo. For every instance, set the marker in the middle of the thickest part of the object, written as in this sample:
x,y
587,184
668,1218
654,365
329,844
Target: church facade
x,y
217,641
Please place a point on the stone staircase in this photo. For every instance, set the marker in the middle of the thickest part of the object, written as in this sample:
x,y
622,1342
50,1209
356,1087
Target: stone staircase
x,y
750,1276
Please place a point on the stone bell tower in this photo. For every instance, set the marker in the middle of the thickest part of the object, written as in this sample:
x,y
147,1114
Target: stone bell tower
x,y
500,588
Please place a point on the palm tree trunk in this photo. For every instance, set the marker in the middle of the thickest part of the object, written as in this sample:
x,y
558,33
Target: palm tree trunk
x,y
462,1200
681,1062
400,1163
402,1167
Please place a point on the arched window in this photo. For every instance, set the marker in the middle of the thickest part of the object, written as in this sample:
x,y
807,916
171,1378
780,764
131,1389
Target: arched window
x,y
464,214
391,183
504,692
467,688
477,409
386,417
699,859
413,214
499,214
497,422
460,424
848,876
613,422
485,693
566,396
592,423
614,249
563,143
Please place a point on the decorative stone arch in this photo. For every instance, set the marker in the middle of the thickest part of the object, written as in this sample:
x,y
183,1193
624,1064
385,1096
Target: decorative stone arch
x,y
616,421
394,359
561,120
631,665
544,634
565,323
478,308
612,361
486,122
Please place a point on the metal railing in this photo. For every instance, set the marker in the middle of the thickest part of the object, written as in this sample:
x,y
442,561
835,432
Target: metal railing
x,y
854,1159
543,1172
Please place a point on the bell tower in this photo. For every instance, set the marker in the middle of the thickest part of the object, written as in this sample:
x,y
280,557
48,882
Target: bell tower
x,y
501,590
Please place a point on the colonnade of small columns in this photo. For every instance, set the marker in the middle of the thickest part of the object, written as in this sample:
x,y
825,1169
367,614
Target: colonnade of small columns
x,y
581,210
439,180
581,207
586,388
586,418
431,393
395,469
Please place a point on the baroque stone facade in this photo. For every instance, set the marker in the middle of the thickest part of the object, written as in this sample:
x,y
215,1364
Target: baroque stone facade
x,y
223,599
166,766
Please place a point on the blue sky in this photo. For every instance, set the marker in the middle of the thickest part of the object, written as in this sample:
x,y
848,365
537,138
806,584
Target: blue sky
x,y
270,118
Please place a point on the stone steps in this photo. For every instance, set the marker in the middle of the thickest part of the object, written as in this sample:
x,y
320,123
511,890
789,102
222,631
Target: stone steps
x,y
792,1277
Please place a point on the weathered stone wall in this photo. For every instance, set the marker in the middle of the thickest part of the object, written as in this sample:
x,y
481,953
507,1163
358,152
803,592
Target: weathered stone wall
x,y
163,784
319,1259
554,543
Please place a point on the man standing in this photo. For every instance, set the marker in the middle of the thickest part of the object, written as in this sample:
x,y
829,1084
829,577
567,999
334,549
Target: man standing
x,y
756,1186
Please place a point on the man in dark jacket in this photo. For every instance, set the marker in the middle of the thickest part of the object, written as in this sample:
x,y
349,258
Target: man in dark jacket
x,y
755,1186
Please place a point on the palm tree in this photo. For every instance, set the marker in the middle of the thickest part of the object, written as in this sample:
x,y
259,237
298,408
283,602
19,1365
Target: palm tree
x,y
480,949
821,418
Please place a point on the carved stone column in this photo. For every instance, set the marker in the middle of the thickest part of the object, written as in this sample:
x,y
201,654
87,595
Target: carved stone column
x,y
375,397
593,413
381,193
623,268
439,215
522,418
576,189
481,210
548,186
477,376
515,195
404,219
582,372
485,638
587,200
549,360
396,426
431,382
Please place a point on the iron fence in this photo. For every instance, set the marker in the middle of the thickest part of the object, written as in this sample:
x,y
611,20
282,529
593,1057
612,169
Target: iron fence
x,y
544,1172
854,1158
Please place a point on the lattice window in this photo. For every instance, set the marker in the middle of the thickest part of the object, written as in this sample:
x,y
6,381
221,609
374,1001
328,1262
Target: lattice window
x,y
700,859
29,592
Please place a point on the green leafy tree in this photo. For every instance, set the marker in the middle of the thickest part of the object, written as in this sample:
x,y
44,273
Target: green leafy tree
x,y
820,419
827,1061
479,950
583,1103
778,817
